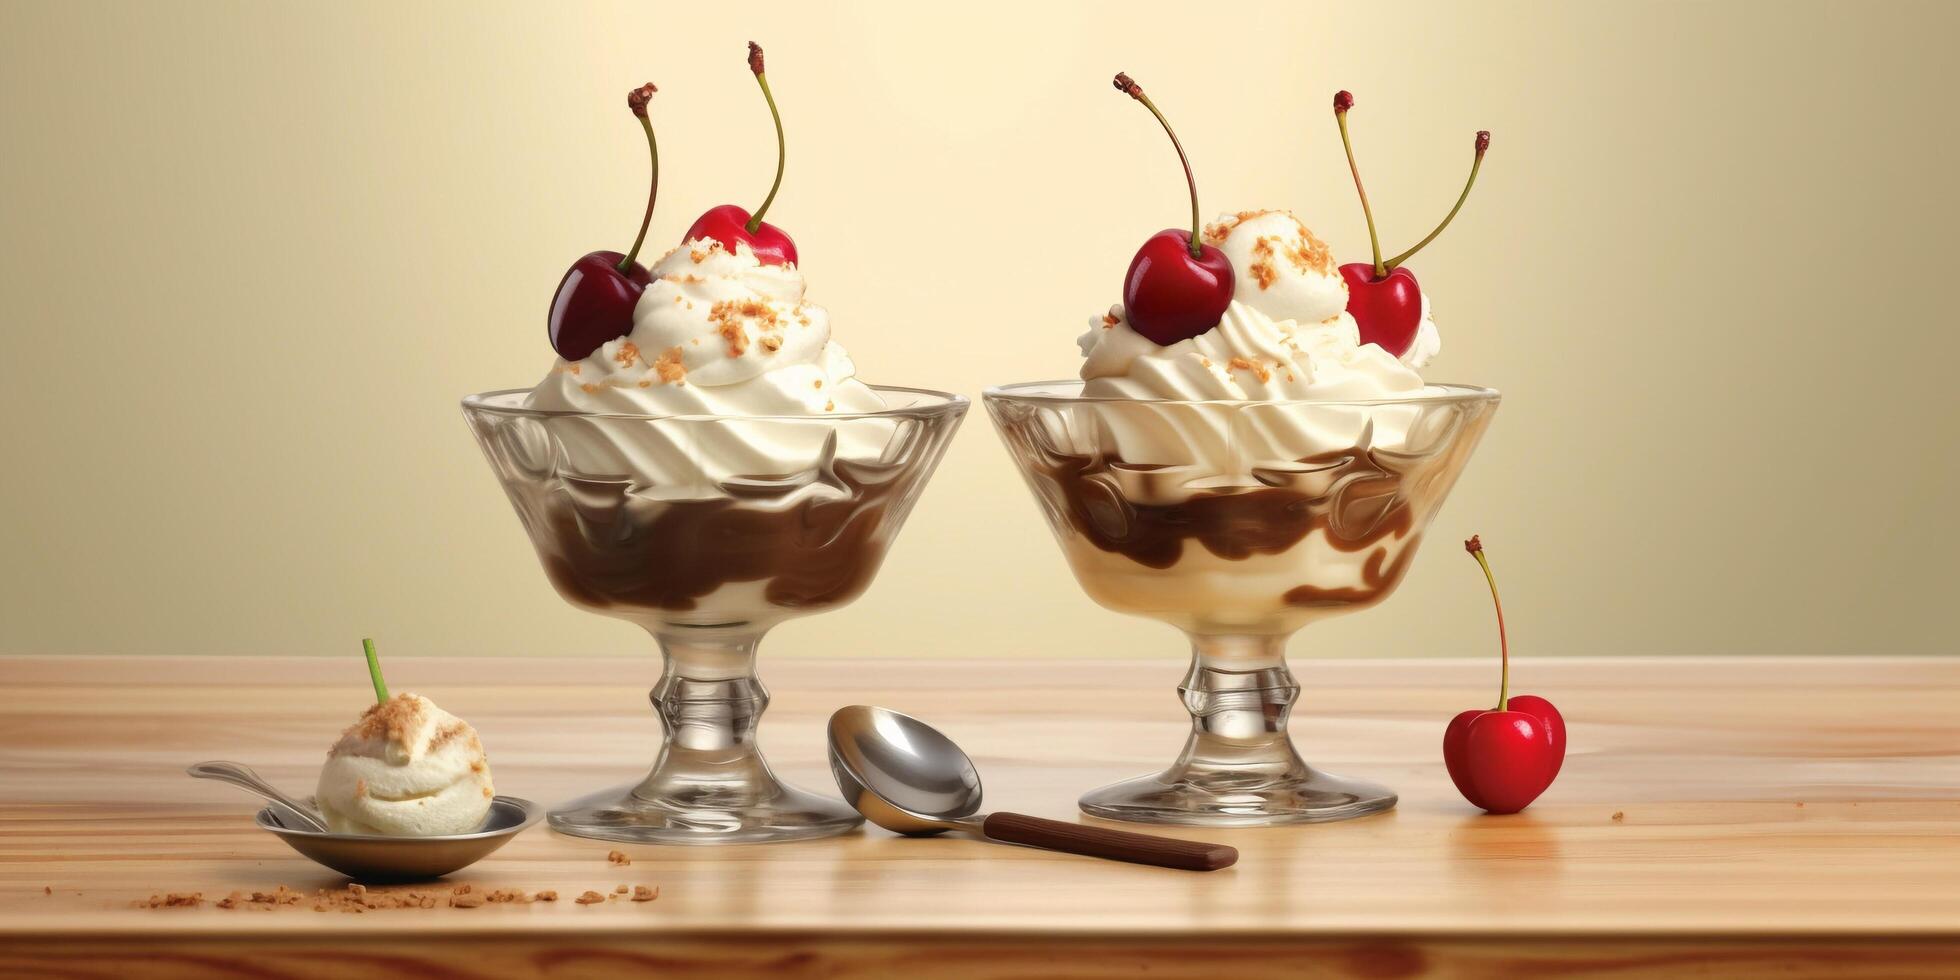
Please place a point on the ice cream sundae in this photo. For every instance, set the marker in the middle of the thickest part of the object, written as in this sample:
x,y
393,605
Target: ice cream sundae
x,y
1249,449
701,460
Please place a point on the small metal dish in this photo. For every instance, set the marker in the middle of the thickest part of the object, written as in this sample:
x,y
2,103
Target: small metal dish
x,y
365,857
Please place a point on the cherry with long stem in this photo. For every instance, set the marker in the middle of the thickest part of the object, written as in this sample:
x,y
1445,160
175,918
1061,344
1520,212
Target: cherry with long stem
x,y
1177,287
782,147
595,300
1501,758
1343,101
1483,144
637,101
1475,546
730,224
1128,86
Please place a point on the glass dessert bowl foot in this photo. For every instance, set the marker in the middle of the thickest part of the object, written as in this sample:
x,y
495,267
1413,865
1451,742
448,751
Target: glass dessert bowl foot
x,y
1239,523
707,531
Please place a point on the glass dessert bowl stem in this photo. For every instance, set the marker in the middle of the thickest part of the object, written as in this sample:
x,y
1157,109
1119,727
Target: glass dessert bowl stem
x,y
1239,766
710,783
683,526
1239,523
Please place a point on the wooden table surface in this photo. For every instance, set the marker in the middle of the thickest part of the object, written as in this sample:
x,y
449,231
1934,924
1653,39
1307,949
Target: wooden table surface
x,y
1785,817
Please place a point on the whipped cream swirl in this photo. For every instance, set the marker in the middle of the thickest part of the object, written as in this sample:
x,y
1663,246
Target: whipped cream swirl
x,y
730,344
717,332
1285,343
1286,336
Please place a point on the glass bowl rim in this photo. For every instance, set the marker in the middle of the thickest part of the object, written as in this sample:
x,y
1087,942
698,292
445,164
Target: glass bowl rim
x,y
941,403
1024,392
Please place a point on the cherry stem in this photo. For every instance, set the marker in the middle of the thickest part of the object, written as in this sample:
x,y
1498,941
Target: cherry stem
x,y
1129,87
1483,143
637,101
782,150
1476,548
374,672
1342,103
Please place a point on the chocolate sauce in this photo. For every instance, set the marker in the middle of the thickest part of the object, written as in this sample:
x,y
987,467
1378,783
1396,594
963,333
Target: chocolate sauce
x,y
1376,583
1353,495
1360,498
817,540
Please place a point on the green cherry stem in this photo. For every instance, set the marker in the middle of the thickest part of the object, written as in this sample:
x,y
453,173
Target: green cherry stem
x,y
637,101
1343,101
1483,143
1476,548
374,672
782,149
1129,87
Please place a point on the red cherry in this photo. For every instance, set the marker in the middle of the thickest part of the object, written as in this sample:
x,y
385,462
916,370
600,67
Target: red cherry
x,y
1554,724
1502,759
1388,310
1383,296
594,302
1177,288
729,224
1170,295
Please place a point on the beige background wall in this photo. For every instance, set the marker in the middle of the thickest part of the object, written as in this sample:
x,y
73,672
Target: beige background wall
x,y
254,253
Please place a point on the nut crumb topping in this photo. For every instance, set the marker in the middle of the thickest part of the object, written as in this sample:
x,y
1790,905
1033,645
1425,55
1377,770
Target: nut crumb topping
x,y
1241,364
590,898
642,893
627,355
618,857
1313,256
729,315
1216,232
358,899
669,368
1262,262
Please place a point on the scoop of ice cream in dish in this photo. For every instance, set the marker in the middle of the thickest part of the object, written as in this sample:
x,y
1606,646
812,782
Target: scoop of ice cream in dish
x,y
405,794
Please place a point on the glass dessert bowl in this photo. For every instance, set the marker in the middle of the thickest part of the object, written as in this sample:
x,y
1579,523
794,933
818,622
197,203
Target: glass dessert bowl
x,y
706,531
1239,522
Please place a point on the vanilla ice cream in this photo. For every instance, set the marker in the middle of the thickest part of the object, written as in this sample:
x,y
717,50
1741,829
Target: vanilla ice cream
x,y
406,769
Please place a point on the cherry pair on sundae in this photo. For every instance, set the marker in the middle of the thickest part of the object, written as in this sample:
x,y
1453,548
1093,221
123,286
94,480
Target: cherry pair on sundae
x,y
1178,286
595,301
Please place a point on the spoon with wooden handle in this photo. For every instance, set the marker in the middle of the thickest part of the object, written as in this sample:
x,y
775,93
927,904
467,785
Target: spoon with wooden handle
x,y
907,777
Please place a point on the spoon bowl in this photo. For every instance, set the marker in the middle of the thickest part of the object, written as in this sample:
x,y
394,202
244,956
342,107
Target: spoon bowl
x,y
901,773
907,777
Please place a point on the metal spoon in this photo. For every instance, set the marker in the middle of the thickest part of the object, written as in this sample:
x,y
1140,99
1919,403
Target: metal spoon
x,y
907,777
240,775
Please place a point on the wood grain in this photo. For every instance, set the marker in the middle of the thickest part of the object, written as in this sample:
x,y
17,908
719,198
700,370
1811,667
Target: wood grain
x,y
1786,817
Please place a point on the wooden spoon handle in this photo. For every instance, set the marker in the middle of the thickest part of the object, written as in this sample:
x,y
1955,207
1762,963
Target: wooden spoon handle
x,y
1115,845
